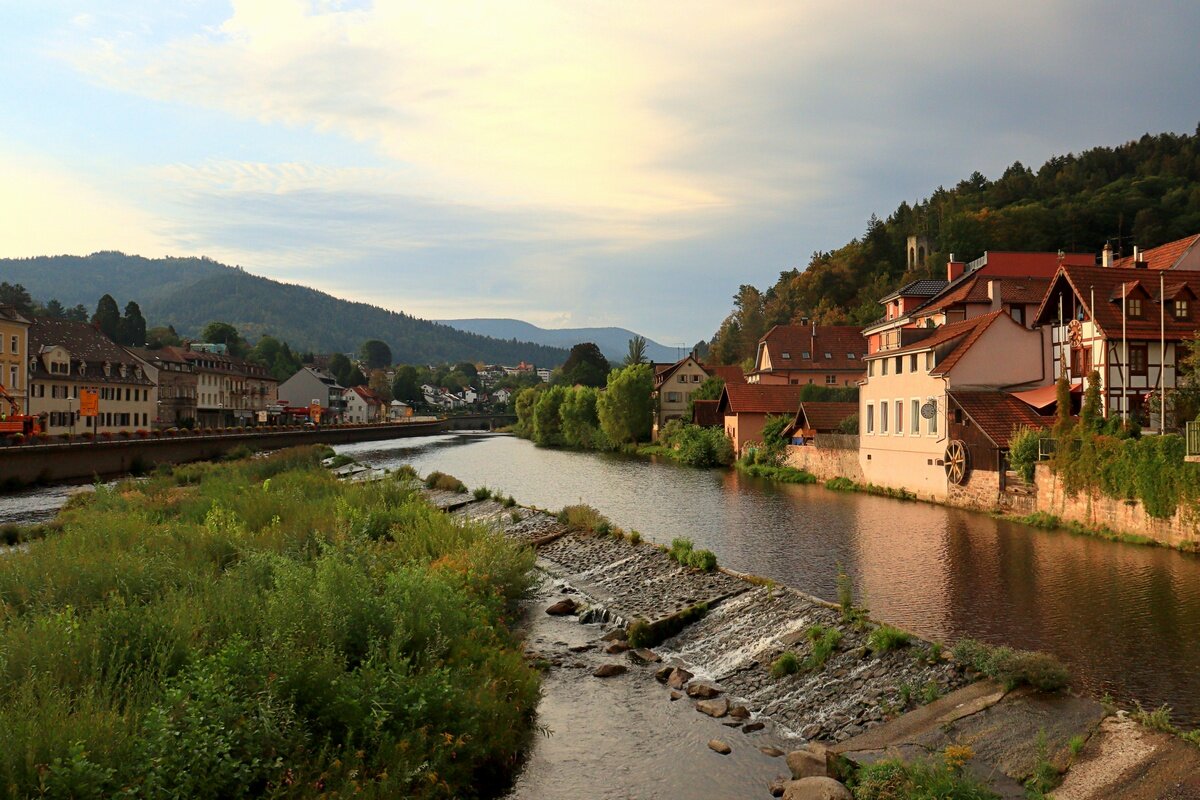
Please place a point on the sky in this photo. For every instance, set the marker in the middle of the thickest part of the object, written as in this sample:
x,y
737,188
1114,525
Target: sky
x,y
568,163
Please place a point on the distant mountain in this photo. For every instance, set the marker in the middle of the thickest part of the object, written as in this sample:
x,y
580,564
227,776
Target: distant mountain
x,y
191,292
613,342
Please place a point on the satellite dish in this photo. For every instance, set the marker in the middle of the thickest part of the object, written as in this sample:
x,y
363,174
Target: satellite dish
x,y
929,410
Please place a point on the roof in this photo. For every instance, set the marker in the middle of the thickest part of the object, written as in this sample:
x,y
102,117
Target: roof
x,y
11,314
757,398
1108,285
919,288
162,355
705,413
1165,256
730,373
369,396
84,342
1014,291
822,415
968,331
1045,396
997,414
844,344
661,374
221,362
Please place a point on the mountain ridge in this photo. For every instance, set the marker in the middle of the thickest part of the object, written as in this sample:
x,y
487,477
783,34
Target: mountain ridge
x,y
613,341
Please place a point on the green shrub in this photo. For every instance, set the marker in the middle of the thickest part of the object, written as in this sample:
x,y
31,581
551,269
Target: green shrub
x,y
892,779
841,484
583,517
681,550
823,642
635,537
886,638
442,482
1011,667
481,493
786,664
509,502
930,691
1023,451
339,460
1159,719
704,560
750,467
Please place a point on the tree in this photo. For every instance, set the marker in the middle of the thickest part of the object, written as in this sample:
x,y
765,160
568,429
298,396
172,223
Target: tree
x,y
14,294
341,369
226,334
405,385
580,422
637,351
625,407
78,313
160,337
585,365
547,423
378,383
525,404
355,378
468,370
108,317
709,390
276,356
133,326
55,310
1091,416
376,354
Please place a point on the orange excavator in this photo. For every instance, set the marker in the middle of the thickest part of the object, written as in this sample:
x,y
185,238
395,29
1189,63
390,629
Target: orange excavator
x,y
16,422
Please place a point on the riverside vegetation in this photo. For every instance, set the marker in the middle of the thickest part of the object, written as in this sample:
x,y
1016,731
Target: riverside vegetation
x,y
257,628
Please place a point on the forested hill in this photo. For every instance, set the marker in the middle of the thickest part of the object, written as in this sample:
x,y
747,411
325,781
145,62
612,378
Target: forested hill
x,y
1142,193
190,292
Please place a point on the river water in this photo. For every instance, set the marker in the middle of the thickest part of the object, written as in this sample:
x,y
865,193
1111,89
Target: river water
x,y
1125,617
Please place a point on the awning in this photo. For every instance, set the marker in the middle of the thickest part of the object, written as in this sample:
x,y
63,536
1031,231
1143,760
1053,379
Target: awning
x,y
1044,396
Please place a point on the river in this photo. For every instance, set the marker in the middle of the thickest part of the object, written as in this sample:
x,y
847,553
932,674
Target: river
x,y
1125,617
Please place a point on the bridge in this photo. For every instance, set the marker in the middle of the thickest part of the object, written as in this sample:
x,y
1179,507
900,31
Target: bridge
x,y
52,461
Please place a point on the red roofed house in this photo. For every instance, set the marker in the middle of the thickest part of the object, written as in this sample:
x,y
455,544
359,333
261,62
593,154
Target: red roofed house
x,y
827,355
746,406
1180,254
674,384
1115,316
815,417
364,405
907,438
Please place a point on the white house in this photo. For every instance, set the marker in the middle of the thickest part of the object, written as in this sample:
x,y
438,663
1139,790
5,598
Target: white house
x,y
363,405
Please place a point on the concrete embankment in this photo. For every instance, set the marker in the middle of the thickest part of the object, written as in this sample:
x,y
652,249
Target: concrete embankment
x,y
859,705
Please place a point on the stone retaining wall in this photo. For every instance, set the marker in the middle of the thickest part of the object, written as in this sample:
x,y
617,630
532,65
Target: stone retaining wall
x,y
825,462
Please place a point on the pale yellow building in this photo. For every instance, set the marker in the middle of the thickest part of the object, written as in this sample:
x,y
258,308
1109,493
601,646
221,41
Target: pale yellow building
x,y
14,354
67,358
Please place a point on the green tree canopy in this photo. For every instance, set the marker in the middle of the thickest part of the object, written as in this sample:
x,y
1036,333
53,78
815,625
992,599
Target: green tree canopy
x,y
226,334
637,351
547,423
585,365
108,317
133,326
14,294
341,368
405,385
55,310
625,407
377,382
376,354
580,422
709,390
469,370
162,336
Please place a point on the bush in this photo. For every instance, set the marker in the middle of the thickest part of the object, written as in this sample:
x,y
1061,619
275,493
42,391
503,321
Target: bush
x,y
886,638
786,664
840,484
1013,668
509,501
823,642
681,550
1023,451
635,537
892,779
750,467
482,493
704,560
442,482
582,517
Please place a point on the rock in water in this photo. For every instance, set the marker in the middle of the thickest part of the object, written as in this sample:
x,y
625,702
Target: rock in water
x,y
616,648
610,670
777,786
645,656
563,608
773,752
615,635
675,696
816,789
718,746
751,727
805,764
739,712
663,673
678,678
714,708
702,691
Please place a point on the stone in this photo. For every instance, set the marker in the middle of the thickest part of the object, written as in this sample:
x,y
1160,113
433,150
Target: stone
x,y
732,724
563,608
678,678
717,746
751,727
615,635
805,764
772,752
663,673
616,648
816,789
675,696
739,712
581,648
777,786
610,670
811,731
645,656
714,708
702,691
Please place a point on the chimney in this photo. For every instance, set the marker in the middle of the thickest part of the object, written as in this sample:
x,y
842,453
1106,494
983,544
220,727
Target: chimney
x,y
993,290
1106,255
954,269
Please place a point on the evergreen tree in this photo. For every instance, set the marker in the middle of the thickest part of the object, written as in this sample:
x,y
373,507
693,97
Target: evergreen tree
x,y
226,334
405,386
14,294
133,326
376,354
55,310
108,317
78,313
341,369
585,365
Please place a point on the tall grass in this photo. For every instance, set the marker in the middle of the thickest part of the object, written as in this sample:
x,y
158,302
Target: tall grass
x,y
257,628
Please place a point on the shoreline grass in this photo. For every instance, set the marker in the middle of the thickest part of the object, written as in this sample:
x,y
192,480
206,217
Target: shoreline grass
x,y
257,627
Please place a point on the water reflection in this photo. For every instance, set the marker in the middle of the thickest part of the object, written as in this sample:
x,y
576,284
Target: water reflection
x,y
1126,618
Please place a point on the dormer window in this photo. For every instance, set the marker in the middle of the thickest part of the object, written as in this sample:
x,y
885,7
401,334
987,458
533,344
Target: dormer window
x,y
806,355
828,356
124,371
851,356
1133,306
107,369
785,354
82,367
1181,309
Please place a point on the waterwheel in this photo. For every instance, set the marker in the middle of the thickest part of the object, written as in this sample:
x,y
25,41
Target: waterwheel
x,y
958,462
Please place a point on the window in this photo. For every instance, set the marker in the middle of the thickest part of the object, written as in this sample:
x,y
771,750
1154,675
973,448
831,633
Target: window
x,y
1018,314
850,356
831,380
695,379
899,365
12,377
870,418
912,363
916,417
929,360
683,378
1133,306
883,417
870,369
883,365
785,354
1138,359
14,345
828,356
899,417
673,397
1181,309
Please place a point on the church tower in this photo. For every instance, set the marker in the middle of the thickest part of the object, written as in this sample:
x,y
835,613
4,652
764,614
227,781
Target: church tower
x,y
918,251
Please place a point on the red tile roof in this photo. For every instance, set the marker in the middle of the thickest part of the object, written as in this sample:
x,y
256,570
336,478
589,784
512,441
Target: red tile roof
x,y
1164,256
968,331
1108,285
998,414
821,416
704,413
839,341
369,396
730,373
1015,291
757,398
